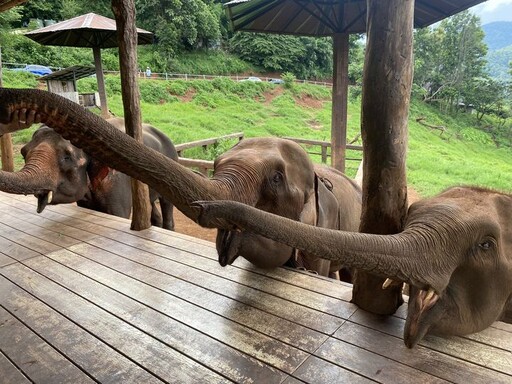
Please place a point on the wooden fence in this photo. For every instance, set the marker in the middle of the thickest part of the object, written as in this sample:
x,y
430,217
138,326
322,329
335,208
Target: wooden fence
x,y
324,146
206,166
202,166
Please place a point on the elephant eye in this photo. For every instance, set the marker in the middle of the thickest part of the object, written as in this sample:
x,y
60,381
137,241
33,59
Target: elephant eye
x,y
487,244
278,177
66,156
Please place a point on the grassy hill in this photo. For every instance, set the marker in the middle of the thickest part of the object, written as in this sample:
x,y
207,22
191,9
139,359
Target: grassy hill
x,y
192,110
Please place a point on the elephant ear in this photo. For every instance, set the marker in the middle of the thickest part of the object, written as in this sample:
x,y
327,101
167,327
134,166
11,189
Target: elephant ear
x,y
327,205
97,171
320,210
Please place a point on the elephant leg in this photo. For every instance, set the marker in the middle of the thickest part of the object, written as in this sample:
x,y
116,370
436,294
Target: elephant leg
x,y
156,217
167,217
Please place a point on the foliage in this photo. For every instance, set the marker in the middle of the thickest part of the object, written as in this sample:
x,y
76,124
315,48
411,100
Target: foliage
x,y
486,96
306,57
155,92
179,25
9,17
178,87
19,79
289,79
448,57
498,61
214,62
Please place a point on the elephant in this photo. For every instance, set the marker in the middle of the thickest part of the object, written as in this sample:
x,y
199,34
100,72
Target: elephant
x,y
68,175
270,173
455,252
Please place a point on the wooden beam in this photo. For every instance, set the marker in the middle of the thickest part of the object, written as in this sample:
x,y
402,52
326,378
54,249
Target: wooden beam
x,y
101,82
124,11
6,5
339,100
387,84
6,140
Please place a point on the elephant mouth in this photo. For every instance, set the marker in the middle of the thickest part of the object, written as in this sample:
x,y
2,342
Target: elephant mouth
x,y
228,246
43,199
421,314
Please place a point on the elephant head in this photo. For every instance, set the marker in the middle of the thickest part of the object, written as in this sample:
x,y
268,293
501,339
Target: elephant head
x,y
63,173
271,174
57,168
455,252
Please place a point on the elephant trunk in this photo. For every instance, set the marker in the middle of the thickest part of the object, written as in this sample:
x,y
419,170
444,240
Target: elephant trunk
x,y
102,141
395,256
27,181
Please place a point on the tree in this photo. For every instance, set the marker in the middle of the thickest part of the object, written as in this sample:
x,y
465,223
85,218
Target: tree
x,y
448,57
179,24
305,57
486,96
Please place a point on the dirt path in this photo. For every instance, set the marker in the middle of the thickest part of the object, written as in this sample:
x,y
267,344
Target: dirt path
x,y
183,224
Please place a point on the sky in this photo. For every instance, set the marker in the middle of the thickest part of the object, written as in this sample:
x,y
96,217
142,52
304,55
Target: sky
x,y
494,10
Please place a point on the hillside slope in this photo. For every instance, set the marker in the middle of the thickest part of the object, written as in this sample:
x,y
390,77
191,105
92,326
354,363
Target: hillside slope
x,y
199,109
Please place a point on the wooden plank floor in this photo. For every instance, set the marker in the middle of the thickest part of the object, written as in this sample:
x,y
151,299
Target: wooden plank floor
x,y
83,299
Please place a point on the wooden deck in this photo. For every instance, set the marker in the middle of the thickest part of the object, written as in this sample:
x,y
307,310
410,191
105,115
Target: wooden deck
x,y
84,299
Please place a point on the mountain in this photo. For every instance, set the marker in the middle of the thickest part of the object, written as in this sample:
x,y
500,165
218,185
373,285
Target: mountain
x,y
498,37
498,34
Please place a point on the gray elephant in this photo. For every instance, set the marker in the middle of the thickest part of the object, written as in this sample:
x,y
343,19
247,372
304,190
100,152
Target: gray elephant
x,y
65,174
272,174
455,252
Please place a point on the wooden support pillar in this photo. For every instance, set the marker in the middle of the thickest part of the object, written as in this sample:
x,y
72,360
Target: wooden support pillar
x,y
124,11
340,43
101,82
6,140
387,84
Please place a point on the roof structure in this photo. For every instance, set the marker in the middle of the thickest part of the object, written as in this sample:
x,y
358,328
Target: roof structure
x,y
326,17
7,4
89,30
75,72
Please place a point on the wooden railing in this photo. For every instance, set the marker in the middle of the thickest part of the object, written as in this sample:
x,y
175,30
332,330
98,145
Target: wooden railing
x,y
324,146
206,142
202,166
206,166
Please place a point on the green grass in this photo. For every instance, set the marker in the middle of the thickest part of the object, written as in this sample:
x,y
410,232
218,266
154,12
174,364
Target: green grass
x,y
199,109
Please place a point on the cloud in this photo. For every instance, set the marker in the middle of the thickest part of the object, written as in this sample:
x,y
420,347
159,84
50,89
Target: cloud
x,y
492,5
494,10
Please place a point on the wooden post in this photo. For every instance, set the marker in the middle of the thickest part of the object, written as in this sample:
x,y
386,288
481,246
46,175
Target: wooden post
x,y
124,11
339,100
387,83
6,139
101,82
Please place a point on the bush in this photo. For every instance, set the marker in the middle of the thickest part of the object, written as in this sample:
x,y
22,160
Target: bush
x,y
224,84
155,92
178,87
19,79
289,80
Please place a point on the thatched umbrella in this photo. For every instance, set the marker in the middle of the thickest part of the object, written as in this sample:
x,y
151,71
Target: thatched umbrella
x,y
87,31
336,18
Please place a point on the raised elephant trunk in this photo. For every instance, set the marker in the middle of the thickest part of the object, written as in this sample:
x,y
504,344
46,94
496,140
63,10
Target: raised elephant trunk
x,y
107,144
386,255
